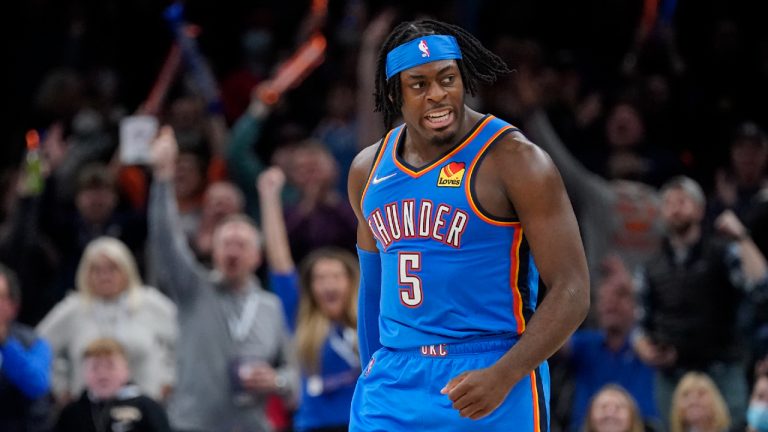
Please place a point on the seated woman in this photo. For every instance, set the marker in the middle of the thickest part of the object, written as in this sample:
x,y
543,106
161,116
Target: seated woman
x,y
325,335
111,301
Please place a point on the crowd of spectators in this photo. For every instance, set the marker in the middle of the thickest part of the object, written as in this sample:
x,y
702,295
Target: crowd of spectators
x,y
211,285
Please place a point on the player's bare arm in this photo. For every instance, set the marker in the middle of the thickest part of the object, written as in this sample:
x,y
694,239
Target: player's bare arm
x,y
358,177
516,171
368,254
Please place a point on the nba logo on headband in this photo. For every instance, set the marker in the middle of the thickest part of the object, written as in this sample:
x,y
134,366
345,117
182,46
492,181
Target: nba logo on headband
x,y
422,50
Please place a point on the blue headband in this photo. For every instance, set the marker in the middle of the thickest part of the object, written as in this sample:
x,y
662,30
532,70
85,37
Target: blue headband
x,y
422,50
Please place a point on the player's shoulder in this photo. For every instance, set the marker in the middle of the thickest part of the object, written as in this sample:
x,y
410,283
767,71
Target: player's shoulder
x,y
514,149
362,164
364,159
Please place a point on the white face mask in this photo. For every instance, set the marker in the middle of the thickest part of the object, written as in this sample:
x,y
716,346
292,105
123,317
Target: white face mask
x,y
757,416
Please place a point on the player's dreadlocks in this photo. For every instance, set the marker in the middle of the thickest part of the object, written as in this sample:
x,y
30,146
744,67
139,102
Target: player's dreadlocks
x,y
478,64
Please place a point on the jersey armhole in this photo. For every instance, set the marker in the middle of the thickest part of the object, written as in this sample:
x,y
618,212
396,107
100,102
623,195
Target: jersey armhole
x,y
376,161
483,213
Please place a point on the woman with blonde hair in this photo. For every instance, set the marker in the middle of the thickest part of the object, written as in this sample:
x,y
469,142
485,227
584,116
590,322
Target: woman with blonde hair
x,y
697,405
327,297
613,409
325,324
111,301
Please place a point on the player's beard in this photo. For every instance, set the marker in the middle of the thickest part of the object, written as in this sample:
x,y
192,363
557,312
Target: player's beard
x,y
444,139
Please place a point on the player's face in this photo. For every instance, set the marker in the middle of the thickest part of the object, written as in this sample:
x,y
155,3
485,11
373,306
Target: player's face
x,y
331,287
611,412
433,101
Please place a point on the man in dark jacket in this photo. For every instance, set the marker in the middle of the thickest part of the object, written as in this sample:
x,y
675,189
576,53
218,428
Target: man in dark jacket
x,y
694,288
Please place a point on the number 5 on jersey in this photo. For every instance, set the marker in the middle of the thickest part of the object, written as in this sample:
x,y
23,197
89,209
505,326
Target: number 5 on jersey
x,y
411,294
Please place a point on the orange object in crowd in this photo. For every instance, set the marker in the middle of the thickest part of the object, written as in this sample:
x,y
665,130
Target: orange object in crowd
x,y
319,6
310,55
33,139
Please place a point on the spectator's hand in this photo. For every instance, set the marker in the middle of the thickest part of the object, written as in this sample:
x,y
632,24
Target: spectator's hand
x,y
729,225
54,147
653,354
477,393
261,378
164,152
271,182
52,151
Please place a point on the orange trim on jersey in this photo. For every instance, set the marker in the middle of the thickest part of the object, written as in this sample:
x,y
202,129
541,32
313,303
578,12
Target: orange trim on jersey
x,y
517,299
376,164
471,170
428,168
536,412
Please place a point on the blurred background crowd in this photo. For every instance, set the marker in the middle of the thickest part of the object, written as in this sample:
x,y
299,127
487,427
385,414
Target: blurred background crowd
x,y
207,281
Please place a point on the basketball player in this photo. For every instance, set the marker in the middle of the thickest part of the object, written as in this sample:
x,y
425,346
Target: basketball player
x,y
458,213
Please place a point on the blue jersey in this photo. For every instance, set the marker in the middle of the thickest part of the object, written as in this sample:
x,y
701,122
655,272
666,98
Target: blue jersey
x,y
450,271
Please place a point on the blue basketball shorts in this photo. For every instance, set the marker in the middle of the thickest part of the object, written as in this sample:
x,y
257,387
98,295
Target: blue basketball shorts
x,y
399,390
